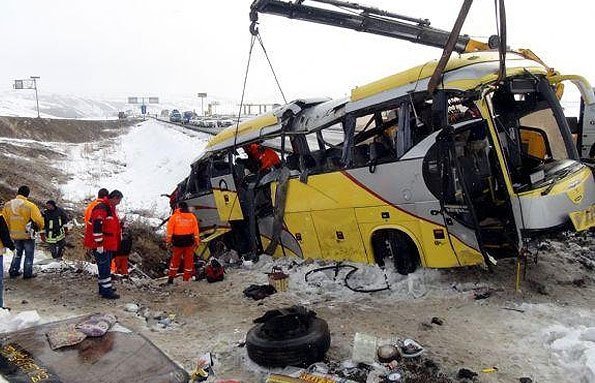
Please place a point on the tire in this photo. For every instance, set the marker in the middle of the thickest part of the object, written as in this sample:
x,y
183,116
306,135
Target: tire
x,y
404,253
300,351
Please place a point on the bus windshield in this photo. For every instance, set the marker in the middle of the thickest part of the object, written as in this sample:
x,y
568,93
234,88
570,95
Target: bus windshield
x,y
533,133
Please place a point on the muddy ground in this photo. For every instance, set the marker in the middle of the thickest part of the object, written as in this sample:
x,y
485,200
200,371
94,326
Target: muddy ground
x,y
486,324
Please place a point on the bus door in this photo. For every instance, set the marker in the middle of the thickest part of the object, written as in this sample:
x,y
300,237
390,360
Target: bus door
x,y
457,208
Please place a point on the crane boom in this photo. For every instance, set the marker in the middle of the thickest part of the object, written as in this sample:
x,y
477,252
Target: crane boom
x,y
370,20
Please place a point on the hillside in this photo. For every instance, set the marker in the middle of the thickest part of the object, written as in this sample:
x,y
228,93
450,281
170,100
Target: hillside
x,y
24,146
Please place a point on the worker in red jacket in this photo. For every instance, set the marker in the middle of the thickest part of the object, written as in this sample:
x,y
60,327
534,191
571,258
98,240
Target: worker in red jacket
x,y
266,158
103,236
183,236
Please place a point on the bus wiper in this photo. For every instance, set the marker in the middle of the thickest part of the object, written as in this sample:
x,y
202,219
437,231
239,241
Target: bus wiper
x,y
556,179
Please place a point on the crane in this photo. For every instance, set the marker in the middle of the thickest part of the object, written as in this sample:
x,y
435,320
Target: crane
x,y
367,19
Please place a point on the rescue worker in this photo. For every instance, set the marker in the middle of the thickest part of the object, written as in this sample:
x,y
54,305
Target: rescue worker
x,y
266,158
120,258
5,242
102,193
23,219
183,236
55,220
103,236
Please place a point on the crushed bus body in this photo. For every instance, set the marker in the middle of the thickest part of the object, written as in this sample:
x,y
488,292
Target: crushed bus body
x,y
394,173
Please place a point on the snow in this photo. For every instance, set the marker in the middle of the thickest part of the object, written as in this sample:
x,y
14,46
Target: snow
x,y
573,349
12,322
148,161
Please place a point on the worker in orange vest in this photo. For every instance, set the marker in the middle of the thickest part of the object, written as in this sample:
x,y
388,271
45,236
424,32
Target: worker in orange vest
x,y
101,194
183,236
266,158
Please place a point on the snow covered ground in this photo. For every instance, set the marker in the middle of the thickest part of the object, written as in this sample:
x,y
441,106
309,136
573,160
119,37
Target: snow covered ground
x,y
148,161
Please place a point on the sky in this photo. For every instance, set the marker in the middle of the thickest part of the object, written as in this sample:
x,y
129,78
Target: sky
x,y
177,48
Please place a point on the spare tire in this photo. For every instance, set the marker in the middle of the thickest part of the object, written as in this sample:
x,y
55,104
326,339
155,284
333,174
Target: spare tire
x,y
301,350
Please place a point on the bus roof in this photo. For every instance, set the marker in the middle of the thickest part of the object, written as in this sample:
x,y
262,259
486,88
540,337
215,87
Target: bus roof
x,y
465,72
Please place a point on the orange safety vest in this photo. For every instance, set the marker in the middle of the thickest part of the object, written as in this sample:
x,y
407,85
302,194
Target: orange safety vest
x,y
182,229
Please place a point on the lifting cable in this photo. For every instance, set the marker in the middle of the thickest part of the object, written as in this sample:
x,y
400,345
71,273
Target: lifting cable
x,y
338,266
255,34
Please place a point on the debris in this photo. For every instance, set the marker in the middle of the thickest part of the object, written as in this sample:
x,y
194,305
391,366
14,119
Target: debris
x,y
291,336
131,307
513,309
465,373
438,321
278,279
394,377
387,353
364,348
489,370
482,294
203,368
64,336
425,326
411,349
525,380
258,292
96,324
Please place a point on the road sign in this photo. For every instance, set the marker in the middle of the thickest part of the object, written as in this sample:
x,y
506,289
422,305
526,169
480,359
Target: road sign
x,y
18,84
153,100
143,109
133,100
202,95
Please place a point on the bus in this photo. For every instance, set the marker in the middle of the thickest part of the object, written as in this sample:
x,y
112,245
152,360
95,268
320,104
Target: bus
x,y
392,173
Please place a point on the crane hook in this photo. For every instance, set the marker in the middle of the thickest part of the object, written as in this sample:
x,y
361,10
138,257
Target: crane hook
x,y
254,23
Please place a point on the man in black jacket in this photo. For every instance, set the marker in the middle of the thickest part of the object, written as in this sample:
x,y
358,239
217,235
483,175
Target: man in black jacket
x,y
5,242
55,230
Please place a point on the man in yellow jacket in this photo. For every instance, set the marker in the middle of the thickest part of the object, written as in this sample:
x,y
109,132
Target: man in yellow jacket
x,y
21,216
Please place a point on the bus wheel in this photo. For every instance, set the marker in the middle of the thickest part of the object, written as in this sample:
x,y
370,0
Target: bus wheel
x,y
398,246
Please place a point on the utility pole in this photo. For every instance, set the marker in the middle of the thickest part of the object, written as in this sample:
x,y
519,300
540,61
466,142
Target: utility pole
x,y
30,83
35,78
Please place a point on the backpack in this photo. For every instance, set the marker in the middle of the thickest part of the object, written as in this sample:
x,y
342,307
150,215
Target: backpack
x,y
214,271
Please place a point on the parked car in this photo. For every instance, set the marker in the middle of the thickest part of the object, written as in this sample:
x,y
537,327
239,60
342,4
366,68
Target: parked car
x,y
188,115
175,116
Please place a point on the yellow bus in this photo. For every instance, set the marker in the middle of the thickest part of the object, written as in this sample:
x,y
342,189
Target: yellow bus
x,y
394,174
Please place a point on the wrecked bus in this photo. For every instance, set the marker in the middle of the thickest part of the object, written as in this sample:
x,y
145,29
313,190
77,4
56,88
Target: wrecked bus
x,y
450,163
388,173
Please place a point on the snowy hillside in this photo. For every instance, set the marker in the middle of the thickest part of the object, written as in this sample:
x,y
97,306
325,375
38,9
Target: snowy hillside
x,y
148,161
22,104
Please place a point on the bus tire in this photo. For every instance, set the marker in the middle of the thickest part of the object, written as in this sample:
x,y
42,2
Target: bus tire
x,y
300,350
592,152
398,246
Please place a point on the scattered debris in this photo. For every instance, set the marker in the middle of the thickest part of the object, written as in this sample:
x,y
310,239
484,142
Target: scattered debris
x,y
410,349
438,321
465,373
131,307
258,292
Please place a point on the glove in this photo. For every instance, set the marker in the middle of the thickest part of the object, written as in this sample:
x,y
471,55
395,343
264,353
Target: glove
x,y
42,236
100,249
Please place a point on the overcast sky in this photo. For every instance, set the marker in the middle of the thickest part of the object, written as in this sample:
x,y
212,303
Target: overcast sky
x,y
176,48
